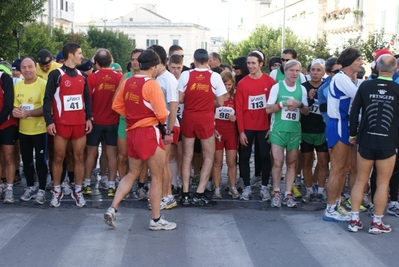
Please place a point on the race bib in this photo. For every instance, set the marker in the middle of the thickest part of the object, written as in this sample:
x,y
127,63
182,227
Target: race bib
x,y
315,108
73,102
27,107
223,113
290,115
180,109
257,102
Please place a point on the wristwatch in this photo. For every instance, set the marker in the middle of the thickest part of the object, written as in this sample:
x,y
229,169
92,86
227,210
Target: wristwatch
x,y
168,132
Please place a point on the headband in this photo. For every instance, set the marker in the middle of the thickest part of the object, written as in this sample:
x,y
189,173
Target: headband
x,y
148,64
349,61
44,62
259,53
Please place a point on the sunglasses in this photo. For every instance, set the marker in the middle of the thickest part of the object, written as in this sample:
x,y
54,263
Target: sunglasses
x,y
285,59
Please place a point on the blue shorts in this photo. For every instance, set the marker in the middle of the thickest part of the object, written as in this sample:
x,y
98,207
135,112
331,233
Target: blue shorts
x,y
337,130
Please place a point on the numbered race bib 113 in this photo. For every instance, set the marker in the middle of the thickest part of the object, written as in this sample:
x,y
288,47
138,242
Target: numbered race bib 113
x,y
257,102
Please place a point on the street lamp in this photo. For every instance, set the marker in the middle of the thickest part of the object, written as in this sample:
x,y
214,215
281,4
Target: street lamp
x,y
18,32
283,30
228,18
105,13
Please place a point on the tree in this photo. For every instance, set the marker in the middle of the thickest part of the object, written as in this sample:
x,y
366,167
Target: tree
x,y
269,41
117,43
12,14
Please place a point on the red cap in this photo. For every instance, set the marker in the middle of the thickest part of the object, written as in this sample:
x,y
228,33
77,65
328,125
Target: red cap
x,y
380,52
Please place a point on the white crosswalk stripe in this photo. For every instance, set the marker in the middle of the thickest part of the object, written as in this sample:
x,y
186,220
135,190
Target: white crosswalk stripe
x,y
328,243
209,234
95,244
11,224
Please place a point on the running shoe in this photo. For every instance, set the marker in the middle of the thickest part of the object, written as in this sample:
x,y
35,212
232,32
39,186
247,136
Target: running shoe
x,y
307,197
166,204
86,190
276,200
256,181
79,198
66,188
8,196
335,216
247,193
110,217
264,194
379,228
28,194
289,201
233,192
195,180
142,193
217,194
49,186
103,184
322,197
111,192
162,224
185,201
56,199
295,192
240,184
371,211
202,200
209,186
17,179
393,210
355,225
40,198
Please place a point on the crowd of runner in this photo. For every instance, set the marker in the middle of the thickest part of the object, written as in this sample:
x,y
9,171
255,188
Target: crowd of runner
x,y
163,127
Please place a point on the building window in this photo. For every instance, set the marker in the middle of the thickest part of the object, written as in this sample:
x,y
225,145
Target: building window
x,y
130,19
134,43
62,4
151,42
66,6
204,45
175,42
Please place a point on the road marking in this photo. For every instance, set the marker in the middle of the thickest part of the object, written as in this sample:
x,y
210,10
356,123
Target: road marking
x,y
11,224
208,235
96,244
329,244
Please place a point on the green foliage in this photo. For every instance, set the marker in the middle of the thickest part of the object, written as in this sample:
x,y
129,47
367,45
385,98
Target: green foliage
x,y
117,43
269,41
374,41
12,13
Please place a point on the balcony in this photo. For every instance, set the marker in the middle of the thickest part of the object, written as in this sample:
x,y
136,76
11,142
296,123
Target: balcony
x,y
343,21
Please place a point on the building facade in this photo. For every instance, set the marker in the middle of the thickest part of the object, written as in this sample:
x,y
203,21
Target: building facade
x,y
145,27
58,13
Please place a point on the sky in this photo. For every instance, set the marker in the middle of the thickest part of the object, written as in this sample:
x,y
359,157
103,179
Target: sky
x,y
214,14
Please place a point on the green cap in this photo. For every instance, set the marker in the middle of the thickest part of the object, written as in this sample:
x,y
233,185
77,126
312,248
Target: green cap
x,y
115,66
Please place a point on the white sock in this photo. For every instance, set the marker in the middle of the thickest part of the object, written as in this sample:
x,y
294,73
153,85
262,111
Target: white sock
x,y
9,186
354,215
276,190
104,178
377,219
263,187
171,197
57,188
111,184
78,188
331,208
286,193
32,188
87,182
320,190
309,190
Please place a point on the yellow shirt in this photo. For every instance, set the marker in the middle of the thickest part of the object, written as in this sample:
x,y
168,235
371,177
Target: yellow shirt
x,y
44,75
30,96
